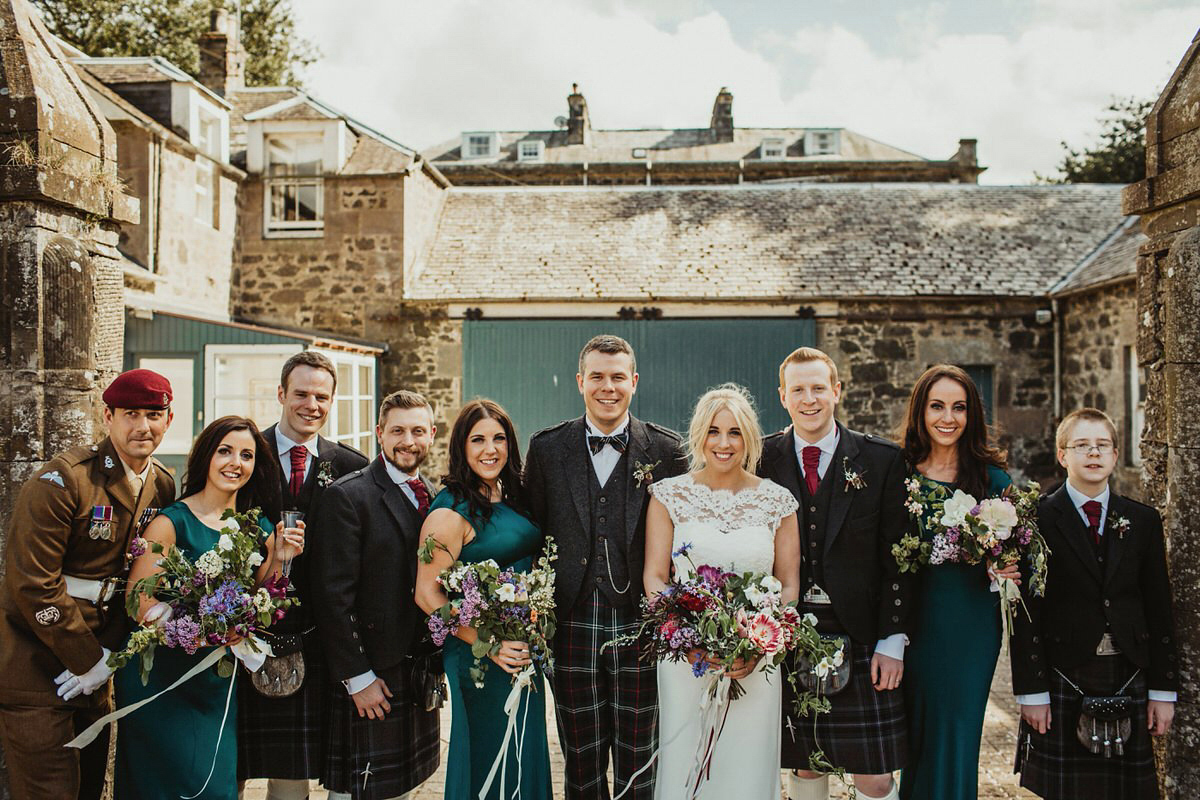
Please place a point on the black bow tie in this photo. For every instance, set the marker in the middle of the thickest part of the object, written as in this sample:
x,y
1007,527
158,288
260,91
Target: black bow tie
x,y
618,441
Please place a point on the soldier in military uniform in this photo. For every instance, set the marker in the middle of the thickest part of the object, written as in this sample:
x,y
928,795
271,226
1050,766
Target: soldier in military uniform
x,y
61,604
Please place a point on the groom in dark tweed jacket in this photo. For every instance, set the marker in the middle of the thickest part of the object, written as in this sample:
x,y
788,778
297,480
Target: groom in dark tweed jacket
x,y
586,484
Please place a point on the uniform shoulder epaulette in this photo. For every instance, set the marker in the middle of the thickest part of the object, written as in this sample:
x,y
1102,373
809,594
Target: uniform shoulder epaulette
x,y
550,429
663,429
873,439
77,455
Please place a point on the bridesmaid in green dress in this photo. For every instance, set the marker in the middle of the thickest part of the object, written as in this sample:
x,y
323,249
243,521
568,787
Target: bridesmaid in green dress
x,y
956,625
479,515
177,745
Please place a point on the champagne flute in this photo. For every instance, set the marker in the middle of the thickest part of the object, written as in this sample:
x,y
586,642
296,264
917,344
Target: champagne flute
x,y
290,519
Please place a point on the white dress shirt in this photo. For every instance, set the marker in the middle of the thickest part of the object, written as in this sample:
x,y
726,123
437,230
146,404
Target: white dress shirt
x,y
1078,498
136,479
606,460
399,477
285,445
892,646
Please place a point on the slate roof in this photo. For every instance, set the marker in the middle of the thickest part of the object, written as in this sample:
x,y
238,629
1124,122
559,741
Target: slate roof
x,y
687,144
1114,261
117,70
761,243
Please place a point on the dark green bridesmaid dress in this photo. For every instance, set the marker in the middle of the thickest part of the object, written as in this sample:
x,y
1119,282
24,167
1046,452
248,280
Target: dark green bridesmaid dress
x,y
165,749
948,673
477,715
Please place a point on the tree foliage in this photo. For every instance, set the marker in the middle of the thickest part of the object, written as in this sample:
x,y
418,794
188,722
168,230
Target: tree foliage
x,y
1119,156
275,53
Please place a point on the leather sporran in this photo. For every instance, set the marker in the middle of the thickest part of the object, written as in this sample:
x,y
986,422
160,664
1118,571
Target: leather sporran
x,y
1105,724
835,680
282,674
428,682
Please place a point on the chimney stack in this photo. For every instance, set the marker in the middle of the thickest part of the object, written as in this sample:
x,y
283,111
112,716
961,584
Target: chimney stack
x,y
579,126
721,125
222,58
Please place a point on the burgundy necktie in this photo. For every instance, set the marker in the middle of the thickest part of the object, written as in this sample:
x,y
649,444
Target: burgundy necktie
x,y
299,455
1093,510
811,457
421,493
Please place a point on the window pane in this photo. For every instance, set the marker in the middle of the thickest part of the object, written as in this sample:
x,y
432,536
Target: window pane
x,y
245,384
345,417
294,155
180,372
364,414
306,204
366,381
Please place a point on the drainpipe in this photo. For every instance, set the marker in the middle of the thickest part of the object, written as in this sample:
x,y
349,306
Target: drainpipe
x,y
156,241
1057,360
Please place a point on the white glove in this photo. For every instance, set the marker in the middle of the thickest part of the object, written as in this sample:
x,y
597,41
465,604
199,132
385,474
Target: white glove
x,y
158,614
71,685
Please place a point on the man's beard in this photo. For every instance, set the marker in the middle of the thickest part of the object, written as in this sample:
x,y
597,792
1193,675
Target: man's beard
x,y
419,457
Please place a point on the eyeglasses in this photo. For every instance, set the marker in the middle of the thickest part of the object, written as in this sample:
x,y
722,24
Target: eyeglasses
x,y
1083,449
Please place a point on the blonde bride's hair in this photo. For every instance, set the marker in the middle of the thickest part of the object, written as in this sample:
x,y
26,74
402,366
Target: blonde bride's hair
x,y
741,405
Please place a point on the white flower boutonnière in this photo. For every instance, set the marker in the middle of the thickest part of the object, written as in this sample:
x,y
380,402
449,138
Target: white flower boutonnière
x,y
1120,525
325,474
643,474
854,478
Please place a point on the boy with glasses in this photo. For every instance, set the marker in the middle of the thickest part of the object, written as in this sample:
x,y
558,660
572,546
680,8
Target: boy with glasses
x,y
1103,629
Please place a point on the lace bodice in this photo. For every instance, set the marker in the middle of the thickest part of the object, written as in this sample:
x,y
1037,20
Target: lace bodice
x,y
732,530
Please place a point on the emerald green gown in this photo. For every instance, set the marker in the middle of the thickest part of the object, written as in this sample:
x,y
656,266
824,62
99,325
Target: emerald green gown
x,y
477,715
948,673
165,749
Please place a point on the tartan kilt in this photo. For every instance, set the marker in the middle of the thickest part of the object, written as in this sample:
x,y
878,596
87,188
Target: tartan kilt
x,y
1056,766
864,733
378,759
285,737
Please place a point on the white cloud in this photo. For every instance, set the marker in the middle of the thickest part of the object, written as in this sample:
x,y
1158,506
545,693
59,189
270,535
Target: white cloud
x,y
424,71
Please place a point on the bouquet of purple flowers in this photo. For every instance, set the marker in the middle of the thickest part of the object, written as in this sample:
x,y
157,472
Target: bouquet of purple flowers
x,y
501,604
212,601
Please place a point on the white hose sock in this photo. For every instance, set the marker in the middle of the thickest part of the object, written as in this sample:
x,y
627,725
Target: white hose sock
x,y
283,789
807,788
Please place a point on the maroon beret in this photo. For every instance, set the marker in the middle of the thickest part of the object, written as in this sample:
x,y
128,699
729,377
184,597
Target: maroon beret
x,y
138,388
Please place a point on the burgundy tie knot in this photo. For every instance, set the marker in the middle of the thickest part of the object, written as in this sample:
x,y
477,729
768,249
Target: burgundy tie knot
x,y
811,458
421,493
1093,509
299,454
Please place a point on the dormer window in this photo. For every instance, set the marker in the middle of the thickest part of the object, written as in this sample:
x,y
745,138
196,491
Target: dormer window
x,y
480,145
294,185
531,151
774,148
822,142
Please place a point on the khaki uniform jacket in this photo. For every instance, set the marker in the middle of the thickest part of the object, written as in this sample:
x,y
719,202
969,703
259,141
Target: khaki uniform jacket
x,y
75,516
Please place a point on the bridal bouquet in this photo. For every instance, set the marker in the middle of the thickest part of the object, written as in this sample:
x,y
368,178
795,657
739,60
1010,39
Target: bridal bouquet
x,y
212,601
957,528
501,604
728,616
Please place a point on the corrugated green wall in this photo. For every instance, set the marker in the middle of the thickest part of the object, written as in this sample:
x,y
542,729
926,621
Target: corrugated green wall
x,y
529,366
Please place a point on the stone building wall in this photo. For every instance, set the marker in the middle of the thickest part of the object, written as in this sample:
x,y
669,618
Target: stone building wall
x,y
1099,337
881,348
423,200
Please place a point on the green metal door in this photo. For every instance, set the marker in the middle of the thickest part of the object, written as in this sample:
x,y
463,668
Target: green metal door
x,y
529,366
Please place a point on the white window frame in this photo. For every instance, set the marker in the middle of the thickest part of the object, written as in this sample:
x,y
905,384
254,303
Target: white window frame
x,y
811,137
273,228
358,427
205,211
493,144
773,148
211,351
531,151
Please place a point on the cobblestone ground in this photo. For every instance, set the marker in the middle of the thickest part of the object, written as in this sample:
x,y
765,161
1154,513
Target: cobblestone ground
x,y
996,778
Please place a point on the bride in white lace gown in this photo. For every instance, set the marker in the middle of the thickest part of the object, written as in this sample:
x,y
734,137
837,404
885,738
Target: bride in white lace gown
x,y
739,522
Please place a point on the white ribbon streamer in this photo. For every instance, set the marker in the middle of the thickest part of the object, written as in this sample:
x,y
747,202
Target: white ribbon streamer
x,y
512,704
714,704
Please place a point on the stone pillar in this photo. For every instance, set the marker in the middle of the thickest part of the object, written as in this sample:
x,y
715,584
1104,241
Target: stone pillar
x,y
720,125
61,300
1168,201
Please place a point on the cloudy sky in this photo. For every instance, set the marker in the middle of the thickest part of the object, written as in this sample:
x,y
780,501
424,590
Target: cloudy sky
x,y
1019,75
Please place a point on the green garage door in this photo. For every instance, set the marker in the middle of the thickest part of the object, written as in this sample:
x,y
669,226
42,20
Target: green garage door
x,y
528,366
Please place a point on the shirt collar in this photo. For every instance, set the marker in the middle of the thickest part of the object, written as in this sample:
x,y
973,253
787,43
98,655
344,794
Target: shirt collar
x,y
591,429
397,475
130,474
1078,498
828,443
285,444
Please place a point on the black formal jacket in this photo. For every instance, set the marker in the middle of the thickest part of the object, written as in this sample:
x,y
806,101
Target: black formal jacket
x,y
333,460
366,570
1129,593
557,471
871,598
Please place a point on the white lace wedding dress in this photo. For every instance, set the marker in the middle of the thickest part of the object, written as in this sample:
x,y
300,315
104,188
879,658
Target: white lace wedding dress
x,y
734,531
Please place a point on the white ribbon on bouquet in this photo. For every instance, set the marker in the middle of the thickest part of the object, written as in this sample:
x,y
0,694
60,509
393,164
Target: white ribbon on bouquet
x,y
522,682
252,652
714,708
